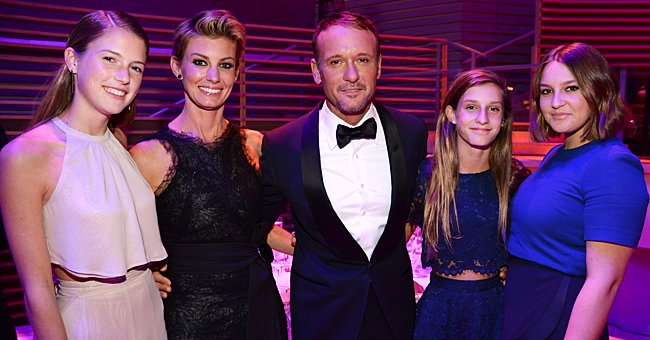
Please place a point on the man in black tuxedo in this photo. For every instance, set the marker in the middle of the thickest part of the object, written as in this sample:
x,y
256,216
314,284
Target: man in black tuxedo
x,y
348,171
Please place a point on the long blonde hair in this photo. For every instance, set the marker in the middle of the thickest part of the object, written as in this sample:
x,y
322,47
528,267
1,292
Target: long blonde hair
x,y
440,200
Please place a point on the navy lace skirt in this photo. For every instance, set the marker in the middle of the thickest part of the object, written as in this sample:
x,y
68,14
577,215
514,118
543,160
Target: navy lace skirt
x,y
453,309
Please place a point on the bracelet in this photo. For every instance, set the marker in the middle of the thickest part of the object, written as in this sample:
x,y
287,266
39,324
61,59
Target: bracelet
x,y
293,240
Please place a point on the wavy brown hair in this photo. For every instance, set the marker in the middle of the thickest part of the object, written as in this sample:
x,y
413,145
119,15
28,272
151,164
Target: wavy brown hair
x,y
60,92
598,85
440,201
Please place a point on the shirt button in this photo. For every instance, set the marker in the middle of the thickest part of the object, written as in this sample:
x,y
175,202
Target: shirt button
x,y
363,213
361,185
356,156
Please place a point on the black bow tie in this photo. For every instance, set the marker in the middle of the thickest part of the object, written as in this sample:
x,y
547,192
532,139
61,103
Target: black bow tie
x,y
344,134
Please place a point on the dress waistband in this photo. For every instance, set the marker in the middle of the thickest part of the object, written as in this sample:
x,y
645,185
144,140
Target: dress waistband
x,y
93,288
212,258
264,304
465,285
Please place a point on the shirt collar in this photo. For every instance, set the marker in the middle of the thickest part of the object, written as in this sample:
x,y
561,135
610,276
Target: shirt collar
x,y
329,121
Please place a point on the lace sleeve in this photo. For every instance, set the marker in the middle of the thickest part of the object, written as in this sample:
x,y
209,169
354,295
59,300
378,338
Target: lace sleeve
x,y
416,213
519,174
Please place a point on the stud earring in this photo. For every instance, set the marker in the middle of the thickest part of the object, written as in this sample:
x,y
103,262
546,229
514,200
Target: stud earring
x,y
179,76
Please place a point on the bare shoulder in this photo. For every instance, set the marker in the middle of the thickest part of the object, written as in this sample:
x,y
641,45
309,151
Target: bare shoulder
x,y
35,146
148,149
35,157
153,160
254,140
254,146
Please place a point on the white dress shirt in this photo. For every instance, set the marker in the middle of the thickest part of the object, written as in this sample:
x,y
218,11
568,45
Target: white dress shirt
x,y
357,178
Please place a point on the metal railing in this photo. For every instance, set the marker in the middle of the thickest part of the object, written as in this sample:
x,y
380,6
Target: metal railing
x,y
275,87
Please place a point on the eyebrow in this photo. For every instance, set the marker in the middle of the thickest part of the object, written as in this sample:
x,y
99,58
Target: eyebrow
x,y
119,55
362,54
564,83
476,101
206,57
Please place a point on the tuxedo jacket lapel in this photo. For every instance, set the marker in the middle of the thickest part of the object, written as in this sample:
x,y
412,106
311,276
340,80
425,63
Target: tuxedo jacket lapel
x,y
399,193
329,224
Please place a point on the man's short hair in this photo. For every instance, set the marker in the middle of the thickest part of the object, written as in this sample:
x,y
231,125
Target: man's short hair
x,y
345,19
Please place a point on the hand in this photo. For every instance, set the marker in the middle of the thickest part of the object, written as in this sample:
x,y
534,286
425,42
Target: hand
x,y
503,274
163,283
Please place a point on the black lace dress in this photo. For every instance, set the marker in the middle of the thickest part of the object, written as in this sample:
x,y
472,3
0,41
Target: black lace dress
x,y
209,210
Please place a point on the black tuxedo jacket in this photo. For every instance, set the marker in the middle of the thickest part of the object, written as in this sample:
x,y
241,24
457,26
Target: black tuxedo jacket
x,y
331,276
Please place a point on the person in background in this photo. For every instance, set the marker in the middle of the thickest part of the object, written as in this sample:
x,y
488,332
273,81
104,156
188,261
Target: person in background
x,y
73,200
348,170
577,219
461,202
204,171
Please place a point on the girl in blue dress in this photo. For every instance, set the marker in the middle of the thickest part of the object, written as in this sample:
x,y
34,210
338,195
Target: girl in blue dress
x,y
461,202
577,219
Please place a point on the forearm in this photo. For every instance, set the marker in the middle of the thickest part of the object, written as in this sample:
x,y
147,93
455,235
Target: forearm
x,y
591,309
44,315
409,230
280,240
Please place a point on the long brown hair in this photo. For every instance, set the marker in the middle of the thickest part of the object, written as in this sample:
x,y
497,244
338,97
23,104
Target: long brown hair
x,y
597,84
60,92
441,194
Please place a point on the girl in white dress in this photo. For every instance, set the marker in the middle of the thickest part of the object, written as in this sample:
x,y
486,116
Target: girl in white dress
x,y
73,200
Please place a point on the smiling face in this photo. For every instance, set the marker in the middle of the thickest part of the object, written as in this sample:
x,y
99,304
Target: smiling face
x,y
564,107
209,71
109,72
478,116
348,67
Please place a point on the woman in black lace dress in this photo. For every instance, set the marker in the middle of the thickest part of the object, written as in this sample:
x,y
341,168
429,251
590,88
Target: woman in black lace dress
x,y
462,204
204,171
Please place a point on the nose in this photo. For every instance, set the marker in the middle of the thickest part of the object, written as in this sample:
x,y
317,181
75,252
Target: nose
x,y
213,74
482,116
557,101
351,74
123,75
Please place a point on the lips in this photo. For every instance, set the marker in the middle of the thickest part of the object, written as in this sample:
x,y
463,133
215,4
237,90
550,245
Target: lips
x,y
560,115
209,90
114,91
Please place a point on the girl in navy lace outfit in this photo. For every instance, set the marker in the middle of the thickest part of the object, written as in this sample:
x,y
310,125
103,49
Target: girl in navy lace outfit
x,y
462,204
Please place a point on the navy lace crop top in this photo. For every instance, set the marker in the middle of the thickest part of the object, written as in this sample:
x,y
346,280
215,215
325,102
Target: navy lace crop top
x,y
476,245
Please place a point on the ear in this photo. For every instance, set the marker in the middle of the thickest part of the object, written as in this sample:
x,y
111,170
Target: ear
x,y
379,67
451,114
70,59
315,72
175,65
